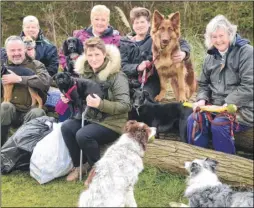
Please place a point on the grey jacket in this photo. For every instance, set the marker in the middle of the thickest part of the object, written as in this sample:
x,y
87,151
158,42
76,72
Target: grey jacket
x,y
229,79
117,105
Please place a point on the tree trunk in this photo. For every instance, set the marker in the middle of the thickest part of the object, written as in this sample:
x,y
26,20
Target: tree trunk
x,y
171,155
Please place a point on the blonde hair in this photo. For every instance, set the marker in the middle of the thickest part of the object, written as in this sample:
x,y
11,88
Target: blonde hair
x,y
137,12
99,9
95,42
217,22
30,19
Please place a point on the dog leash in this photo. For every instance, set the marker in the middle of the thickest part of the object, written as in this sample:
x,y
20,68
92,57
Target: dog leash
x,y
148,69
68,93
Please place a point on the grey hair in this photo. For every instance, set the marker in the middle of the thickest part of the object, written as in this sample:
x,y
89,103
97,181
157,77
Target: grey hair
x,y
13,38
30,19
217,22
98,9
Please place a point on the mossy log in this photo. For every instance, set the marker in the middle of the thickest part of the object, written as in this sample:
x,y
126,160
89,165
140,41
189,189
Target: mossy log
x,y
171,155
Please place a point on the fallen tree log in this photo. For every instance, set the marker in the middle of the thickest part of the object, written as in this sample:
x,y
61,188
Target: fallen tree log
x,y
171,155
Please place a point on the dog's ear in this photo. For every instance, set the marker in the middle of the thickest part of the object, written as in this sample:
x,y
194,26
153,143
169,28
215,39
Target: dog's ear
x,y
80,47
65,48
175,19
212,163
146,93
128,126
157,19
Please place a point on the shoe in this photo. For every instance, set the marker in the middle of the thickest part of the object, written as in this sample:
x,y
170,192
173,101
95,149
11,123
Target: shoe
x,y
74,174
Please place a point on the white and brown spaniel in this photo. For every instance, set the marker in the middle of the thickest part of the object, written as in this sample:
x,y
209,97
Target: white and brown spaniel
x,y
111,181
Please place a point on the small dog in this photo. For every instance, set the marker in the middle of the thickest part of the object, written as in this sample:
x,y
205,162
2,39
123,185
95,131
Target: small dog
x,y
77,89
165,34
72,49
30,46
115,174
205,190
21,71
164,117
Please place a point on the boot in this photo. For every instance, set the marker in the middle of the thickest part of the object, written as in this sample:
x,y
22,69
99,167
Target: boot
x,y
74,174
4,133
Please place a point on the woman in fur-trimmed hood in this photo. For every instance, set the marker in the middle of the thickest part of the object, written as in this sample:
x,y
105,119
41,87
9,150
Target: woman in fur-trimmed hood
x,y
99,62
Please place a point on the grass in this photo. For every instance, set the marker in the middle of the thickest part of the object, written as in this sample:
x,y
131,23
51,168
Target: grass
x,y
154,189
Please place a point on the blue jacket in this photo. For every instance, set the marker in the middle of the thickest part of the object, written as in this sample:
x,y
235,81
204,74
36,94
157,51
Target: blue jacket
x,y
46,53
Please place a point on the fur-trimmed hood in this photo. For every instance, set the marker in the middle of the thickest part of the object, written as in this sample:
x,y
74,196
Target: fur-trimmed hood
x,y
113,66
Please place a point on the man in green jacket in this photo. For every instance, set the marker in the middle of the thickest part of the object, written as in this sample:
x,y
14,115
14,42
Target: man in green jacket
x,y
18,110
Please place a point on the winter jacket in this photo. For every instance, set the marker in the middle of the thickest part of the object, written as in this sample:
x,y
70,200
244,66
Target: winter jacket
x,y
46,53
21,97
229,79
133,53
116,107
110,36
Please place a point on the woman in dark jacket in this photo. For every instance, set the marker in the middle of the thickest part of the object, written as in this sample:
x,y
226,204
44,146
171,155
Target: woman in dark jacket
x,y
226,78
46,52
99,63
136,51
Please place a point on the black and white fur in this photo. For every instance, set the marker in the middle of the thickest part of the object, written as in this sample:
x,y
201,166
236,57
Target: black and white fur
x,y
72,49
164,117
205,190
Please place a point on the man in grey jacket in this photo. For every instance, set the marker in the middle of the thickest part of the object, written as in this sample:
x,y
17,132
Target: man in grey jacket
x,y
226,78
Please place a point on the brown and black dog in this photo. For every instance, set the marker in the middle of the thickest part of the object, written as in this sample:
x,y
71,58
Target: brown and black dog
x,y
165,33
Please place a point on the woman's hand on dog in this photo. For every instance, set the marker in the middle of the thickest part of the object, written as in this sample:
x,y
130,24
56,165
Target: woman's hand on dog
x,y
11,78
178,56
64,99
93,101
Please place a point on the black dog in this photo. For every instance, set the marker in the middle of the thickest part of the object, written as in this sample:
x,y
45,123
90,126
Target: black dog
x,y
164,117
77,89
72,49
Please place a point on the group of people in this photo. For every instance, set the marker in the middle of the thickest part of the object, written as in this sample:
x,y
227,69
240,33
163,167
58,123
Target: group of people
x,y
226,78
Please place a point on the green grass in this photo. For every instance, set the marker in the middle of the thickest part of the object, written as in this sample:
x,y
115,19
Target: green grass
x,y
154,189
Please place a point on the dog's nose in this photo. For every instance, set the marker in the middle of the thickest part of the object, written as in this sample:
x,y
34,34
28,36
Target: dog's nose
x,y
165,42
135,106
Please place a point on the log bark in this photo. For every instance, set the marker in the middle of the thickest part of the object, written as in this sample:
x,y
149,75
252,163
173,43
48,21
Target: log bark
x,y
171,155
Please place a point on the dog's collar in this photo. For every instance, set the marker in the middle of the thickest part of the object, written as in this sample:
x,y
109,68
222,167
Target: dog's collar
x,y
74,56
68,93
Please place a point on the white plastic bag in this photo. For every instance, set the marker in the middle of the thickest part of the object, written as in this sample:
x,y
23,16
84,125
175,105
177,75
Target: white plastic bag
x,y
50,158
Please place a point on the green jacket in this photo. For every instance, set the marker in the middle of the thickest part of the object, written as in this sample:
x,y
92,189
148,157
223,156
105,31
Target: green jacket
x,y
21,97
117,105
229,79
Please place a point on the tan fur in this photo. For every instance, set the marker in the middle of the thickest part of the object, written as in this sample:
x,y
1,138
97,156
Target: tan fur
x,y
165,34
34,95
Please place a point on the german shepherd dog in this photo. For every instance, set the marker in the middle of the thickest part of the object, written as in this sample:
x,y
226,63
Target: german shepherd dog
x,y
165,34
21,71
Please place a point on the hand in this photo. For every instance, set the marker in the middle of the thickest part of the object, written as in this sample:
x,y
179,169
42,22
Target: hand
x,y
64,99
141,67
11,78
178,56
197,104
93,101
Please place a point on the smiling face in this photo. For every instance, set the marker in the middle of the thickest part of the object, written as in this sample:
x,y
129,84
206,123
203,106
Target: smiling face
x,y
95,57
141,25
16,51
220,39
100,22
31,29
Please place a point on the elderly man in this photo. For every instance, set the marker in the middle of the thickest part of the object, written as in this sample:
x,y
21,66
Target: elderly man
x,y
18,110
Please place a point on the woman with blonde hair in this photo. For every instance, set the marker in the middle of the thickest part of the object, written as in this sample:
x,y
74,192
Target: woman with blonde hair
x,y
100,16
99,62
226,78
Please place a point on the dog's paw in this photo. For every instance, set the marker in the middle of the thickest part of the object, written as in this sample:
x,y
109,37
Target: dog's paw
x,y
158,98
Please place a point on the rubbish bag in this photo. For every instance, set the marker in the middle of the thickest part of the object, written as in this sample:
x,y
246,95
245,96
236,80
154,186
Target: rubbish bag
x,y
17,150
50,158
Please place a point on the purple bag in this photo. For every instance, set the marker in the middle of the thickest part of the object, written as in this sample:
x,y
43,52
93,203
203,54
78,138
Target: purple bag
x,y
61,107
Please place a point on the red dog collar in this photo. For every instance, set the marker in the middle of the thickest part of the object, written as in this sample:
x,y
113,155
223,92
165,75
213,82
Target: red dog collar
x,y
68,93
